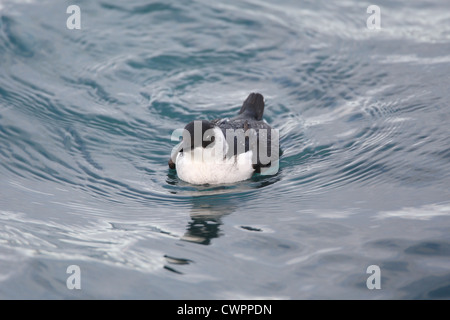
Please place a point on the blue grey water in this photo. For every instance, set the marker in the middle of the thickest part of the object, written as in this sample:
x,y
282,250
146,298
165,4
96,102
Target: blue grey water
x,y
86,117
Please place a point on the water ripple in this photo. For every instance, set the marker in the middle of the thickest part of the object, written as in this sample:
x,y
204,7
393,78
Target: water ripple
x,y
86,118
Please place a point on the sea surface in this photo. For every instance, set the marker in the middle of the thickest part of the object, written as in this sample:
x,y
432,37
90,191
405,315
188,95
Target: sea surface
x,y
86,118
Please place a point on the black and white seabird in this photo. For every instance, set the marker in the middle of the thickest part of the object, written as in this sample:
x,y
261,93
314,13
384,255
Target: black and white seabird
x,y
226,150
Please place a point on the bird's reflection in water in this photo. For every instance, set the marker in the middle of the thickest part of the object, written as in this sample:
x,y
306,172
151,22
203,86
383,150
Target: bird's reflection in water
x,y
211,203
206,214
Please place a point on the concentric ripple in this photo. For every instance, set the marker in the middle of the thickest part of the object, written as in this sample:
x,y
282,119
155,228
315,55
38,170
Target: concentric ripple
x,y
86,118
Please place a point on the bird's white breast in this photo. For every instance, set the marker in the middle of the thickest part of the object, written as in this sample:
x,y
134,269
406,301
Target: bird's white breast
x,y
209,165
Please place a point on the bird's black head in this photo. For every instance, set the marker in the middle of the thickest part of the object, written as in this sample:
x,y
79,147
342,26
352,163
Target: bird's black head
x,y
198,133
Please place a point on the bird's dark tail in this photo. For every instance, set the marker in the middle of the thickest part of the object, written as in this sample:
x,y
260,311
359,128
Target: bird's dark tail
x,y
253,106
